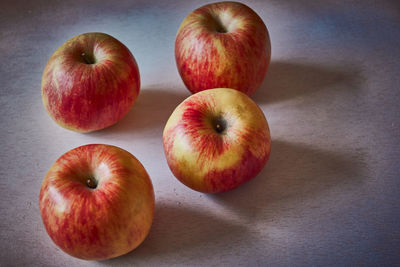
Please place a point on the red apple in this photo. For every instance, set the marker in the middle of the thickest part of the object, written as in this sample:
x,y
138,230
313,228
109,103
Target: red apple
x,y
97,202
90,82
216,140
223,44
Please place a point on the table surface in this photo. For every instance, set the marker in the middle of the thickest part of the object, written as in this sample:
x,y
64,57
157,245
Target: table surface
x,y
329,193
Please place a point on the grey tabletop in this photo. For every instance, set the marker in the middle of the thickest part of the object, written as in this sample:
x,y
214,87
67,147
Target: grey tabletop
x,y
329,193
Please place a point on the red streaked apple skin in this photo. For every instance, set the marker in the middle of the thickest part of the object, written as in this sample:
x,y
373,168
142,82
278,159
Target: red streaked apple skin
x,y
209,161
86,97
107,221
236,58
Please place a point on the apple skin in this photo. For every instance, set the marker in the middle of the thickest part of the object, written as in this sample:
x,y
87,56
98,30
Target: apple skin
x,y
103,222
90,82
216,140
223,44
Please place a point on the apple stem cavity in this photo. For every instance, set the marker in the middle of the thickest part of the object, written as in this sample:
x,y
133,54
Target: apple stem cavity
x,y
220,27
91,183
88,59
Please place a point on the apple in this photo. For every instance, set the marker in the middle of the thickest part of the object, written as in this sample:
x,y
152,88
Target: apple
x,y
90,82
223,44
97,202
216,140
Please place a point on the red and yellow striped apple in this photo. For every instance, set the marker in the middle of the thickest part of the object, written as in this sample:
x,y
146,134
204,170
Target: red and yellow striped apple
x,y
97,202
223,44
216,140
90,82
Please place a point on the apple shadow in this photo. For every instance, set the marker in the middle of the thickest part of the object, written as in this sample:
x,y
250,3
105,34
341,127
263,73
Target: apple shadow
x,y
286,80
179,229
294,173
151,111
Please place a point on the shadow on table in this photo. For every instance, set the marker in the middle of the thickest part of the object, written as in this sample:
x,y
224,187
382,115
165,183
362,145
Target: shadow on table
x,y
286,80
151,110
178,229
297,172
294,173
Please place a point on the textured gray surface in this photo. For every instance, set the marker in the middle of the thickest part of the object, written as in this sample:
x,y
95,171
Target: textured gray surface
x,y
329,194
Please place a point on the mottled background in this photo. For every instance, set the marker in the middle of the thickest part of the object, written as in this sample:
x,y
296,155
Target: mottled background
x,y
329,194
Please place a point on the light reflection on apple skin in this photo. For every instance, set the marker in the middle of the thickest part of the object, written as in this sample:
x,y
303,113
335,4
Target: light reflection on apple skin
x,y
61,204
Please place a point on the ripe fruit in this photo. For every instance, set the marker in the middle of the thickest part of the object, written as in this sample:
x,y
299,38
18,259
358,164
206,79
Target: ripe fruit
x,y
97,202
90,82
216,140
223,44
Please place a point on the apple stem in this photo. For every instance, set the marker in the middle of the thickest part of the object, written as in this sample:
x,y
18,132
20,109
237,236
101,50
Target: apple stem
x,y
91,183
219,124
221,29
218,128
87,58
